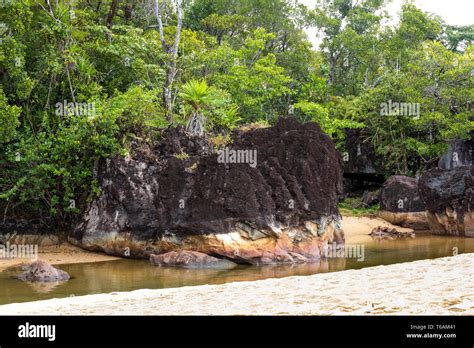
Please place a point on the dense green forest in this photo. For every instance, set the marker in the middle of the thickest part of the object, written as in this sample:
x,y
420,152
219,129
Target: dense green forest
x,y
80,79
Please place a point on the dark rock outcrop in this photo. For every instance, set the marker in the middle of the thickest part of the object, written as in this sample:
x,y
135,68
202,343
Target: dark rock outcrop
x,y
362,168
401,203
189,259
370,198
400,194
41,271
459,154
360,156
176,195
21,231
449,199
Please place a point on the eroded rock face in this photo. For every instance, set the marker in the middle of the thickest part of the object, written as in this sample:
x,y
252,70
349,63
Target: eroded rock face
x,y
41,271
449,198
189,259
401,203
175,195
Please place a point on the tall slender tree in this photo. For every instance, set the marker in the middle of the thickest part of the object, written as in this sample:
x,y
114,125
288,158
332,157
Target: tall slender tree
x,y
172,52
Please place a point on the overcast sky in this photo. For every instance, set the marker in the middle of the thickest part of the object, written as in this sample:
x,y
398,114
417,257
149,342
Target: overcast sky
x,y
456,12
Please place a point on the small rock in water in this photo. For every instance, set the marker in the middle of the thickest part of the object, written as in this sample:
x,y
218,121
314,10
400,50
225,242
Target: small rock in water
x,y
381,232
186,258
41,271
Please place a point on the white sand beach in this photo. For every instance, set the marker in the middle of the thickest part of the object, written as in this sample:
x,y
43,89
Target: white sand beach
x,y
443,286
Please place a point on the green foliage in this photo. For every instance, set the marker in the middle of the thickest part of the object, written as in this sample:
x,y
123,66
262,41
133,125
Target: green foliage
x,y
458,37
197,94
358,211
353,206
370,66
8,119
135,112
443,91
182,156
212,102
253,79
240,63
350,43
333,126
49,170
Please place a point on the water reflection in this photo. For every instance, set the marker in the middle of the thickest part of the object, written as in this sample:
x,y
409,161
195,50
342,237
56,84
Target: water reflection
x,y
127,275
44,288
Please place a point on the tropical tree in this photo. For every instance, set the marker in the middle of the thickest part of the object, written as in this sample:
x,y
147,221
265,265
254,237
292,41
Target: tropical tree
x,y
198,95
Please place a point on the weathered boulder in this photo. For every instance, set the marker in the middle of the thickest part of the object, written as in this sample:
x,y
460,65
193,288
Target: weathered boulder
x,y
401,203
179,194
449,199
41,271
189,259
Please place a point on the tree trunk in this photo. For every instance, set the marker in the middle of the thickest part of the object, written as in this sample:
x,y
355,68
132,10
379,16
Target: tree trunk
x,y
172,52
332,69
112,13
128,10
167,97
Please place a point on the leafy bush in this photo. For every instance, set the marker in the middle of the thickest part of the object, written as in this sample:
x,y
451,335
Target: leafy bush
x,y
355,207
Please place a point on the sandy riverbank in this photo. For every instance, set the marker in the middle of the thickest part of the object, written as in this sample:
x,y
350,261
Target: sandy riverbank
x,y
59,254
443,286
357,229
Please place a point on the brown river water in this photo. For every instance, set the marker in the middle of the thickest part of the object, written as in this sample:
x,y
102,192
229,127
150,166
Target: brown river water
x,y
128,275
